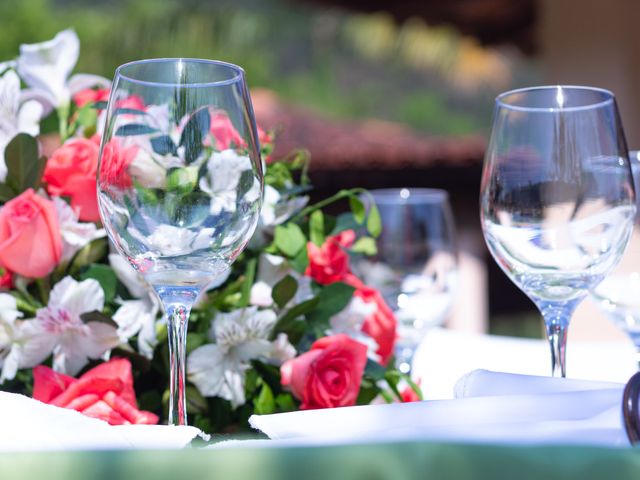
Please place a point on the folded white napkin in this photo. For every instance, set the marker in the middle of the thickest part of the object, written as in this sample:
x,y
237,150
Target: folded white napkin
x,y
30,425
527,410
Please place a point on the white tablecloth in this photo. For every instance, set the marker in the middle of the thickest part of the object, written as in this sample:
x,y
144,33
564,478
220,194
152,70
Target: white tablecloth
x,y
446,355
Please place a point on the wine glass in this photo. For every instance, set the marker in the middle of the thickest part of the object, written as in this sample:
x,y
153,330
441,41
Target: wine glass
x,y
179,183
557,198
618,295
415,267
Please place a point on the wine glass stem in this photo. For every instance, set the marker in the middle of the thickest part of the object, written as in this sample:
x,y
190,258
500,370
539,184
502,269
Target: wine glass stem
x,y
556,319
558,342
178,319
177,302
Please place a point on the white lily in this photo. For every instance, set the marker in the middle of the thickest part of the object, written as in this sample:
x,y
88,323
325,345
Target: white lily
x,y
45,67
15,117
218,369
72,340
75,234
23,343
224,170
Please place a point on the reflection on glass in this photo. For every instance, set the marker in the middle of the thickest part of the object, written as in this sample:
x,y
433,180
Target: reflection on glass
x,y
557,200
180,182
415,267
619,294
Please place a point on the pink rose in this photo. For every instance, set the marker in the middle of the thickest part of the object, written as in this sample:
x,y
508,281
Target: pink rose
x,y
330,263
381,325
115,164
224,132
104,392
6,280
71,172
134,102
91,95
328,375
30,241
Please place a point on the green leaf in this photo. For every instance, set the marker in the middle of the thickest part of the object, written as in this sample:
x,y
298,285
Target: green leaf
x,y
286,403
99,317
195,340
94,251
316,227
366,245
374,370
105,276
196,403
163,145
333,298
24,166
284,290
357,208
289,239
250,275
393,378
194,133
374,223
264,403
300,262
128,111
6,193
132,129
368,391
287,321
87,116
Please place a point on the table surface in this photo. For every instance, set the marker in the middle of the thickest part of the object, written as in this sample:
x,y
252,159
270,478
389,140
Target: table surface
x,y
378,461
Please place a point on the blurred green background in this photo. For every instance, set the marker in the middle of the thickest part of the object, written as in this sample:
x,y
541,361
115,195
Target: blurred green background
x,y
345,65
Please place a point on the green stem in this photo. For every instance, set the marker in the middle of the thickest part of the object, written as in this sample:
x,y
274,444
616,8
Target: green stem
x,y
25,307
63,117
44,287
328,201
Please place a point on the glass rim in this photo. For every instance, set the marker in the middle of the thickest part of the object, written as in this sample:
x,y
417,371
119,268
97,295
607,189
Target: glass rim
x,y
609,99
239,72
413,195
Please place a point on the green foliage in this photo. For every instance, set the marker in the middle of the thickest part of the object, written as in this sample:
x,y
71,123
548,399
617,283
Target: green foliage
x,y
105,276
24,166
284,290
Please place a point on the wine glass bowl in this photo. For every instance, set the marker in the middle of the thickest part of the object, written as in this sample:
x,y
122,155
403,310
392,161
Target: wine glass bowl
x,y
557,198
179,182
415,267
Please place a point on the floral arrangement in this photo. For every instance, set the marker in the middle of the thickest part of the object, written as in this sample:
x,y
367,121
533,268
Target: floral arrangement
x,y
290,326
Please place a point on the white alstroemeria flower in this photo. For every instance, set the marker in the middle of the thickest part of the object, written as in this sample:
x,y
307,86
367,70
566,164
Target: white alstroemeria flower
x,y
138,317
272,269
45,67
146,171
131,279
75,234
23,343
15,117
218,369
73,341
350,320
224,170
170,240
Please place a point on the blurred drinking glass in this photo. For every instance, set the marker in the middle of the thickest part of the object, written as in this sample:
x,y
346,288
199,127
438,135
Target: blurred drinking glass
x,y
415,266
618,296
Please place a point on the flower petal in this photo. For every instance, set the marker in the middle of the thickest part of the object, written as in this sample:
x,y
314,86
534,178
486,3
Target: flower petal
x,y
77,297
46,66
205,369
82,81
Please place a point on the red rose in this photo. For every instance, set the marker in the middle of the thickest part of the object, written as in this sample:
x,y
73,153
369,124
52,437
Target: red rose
x,y
408,395
328,375
30,241
330,263
71,172
90,95
6,279
115,163
382,324
104,392
133,102
224,132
